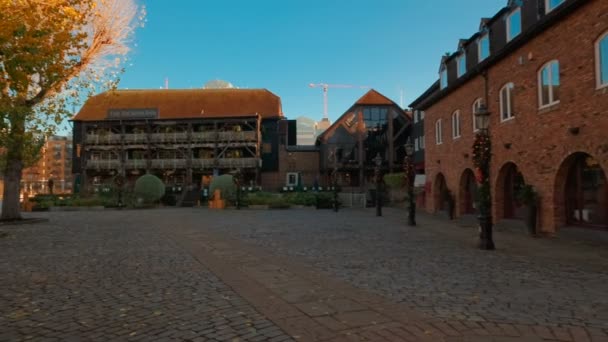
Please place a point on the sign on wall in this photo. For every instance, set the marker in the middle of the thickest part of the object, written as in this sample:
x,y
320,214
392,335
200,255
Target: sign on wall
x,y
132,113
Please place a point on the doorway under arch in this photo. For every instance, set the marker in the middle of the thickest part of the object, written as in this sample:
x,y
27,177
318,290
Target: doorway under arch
x,y
510,180
582,192
467,193
440,189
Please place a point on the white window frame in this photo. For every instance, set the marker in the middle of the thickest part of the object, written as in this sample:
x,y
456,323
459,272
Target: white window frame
x,y
598,62
441,73
473,108
509,88
416,145
460,72
287,182
456,125
421,142
483,36
509,38
438,132
540,84
415,116
548,6
421,115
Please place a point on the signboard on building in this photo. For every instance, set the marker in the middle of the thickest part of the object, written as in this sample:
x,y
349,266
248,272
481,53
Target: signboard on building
x,y
132,114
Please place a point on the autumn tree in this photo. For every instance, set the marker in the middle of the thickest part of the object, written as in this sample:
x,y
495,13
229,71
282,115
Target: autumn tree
x,y
53,53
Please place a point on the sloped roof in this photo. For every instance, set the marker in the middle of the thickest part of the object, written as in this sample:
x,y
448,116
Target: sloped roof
x,y
373,97
185,103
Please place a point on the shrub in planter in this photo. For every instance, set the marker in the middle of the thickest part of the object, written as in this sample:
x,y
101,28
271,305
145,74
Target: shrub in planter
x,y
149,188
278,203
225,184
258,198
528,196
301,198
325,200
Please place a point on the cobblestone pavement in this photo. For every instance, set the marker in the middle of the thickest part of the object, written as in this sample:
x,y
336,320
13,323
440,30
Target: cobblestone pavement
x,y
434,268
106,276
188,274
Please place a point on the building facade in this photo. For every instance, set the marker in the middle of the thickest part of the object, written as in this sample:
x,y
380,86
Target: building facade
x,y
55,164
541,69
183,136
374,125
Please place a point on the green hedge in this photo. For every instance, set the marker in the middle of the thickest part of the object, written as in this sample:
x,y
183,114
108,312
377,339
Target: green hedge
x,y
395,180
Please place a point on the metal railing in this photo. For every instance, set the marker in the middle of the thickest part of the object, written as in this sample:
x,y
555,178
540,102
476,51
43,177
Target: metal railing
x,y
103,164
173,137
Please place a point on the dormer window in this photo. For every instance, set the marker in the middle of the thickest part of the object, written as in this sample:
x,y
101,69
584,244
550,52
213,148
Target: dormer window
x,y
483,47
443,77
513,24
551,4
461,61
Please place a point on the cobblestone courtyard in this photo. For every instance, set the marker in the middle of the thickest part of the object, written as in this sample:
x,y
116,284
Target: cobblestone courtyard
x,y
195,274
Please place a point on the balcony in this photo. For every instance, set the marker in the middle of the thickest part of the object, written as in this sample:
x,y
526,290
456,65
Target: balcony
x,y
168,163
169,137
97,139
223,136
103,164
174,137
233,163
135,164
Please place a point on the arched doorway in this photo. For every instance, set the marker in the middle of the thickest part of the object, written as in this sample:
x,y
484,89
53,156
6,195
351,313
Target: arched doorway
x,y
584,191
510,181
440,189
468,192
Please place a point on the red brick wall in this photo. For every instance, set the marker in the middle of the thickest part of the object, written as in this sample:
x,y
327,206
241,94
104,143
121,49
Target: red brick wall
x,y
306,163
540,141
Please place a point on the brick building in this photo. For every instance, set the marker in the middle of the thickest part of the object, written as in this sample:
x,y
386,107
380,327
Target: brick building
x,y
183,136
55,163
373,125
541,69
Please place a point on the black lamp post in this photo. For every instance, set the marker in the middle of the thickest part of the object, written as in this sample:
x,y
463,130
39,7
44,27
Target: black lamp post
x,y
237,182
410,174
119,181
482,155
378,176
334,178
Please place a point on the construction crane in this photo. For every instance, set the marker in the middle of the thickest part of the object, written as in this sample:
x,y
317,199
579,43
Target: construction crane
x,y
325,87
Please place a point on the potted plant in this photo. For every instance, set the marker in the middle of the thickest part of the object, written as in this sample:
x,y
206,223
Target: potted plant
x,y
528,196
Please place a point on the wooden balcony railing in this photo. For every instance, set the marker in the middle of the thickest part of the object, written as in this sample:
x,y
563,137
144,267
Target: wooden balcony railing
x,y
114,164
174,137
103,164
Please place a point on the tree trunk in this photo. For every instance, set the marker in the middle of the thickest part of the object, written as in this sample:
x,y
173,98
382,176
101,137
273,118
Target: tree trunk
x,y
12,185
14,166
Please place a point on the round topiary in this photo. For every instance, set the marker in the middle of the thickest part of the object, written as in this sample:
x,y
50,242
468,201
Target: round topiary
x,y
225,183
149,188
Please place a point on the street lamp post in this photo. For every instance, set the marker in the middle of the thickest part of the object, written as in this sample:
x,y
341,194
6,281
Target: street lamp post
x,y
408,165
237,182
378,176
334,178
119,181
482,155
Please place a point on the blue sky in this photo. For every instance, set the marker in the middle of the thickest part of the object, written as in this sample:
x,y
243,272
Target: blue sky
x,y
390,45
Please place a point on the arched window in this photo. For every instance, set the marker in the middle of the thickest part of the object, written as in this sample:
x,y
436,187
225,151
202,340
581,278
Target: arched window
x,y
506,102
548,84
456,124
601,51
438,135
476,105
